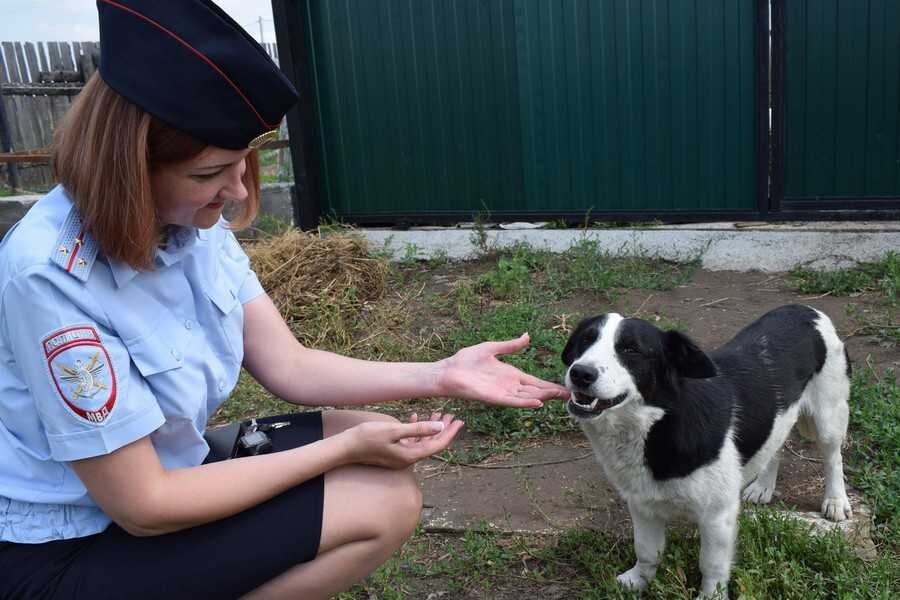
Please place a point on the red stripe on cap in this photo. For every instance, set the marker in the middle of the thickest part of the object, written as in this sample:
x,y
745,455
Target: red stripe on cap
x,y
202,57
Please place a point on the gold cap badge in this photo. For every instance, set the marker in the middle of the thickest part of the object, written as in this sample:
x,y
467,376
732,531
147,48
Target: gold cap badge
x,y
262,139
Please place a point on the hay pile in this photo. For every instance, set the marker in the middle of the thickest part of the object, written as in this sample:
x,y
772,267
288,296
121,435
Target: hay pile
x,y
306,274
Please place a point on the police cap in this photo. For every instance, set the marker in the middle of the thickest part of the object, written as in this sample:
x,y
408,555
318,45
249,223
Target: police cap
x,y
192,66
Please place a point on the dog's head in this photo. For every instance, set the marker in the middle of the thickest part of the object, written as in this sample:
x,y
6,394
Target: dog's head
x,y
612,360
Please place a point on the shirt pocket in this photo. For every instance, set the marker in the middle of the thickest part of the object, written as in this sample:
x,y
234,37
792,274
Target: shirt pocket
x,y
229,313
160,349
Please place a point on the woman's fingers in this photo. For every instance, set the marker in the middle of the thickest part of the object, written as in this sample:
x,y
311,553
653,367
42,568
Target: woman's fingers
x,y
508,346
417,429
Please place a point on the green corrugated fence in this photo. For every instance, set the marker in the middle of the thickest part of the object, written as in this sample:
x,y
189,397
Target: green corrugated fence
x,y
546,106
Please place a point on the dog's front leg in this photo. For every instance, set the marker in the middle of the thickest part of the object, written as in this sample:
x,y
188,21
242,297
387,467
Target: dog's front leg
x,y
649,541
718,532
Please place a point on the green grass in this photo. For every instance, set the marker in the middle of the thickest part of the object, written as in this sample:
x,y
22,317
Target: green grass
x,y
777,558
586,266
882,277
270,224
873,458
6,191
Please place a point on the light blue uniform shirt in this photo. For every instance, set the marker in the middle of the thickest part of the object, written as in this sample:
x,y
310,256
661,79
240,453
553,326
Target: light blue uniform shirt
x,y
95,355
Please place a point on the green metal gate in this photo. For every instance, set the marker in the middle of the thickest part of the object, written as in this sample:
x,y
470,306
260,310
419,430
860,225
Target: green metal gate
x,y
837,106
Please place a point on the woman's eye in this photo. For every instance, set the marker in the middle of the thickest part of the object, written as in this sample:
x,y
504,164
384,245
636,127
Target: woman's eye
x,y
205,176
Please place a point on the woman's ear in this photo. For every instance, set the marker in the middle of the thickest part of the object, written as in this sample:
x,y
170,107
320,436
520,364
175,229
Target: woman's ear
x,y
686,358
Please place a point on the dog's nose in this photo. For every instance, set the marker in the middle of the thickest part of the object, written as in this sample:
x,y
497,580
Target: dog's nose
x,y
583,375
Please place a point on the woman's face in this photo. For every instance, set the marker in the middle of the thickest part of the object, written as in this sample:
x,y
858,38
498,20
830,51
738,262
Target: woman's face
x,y
193,193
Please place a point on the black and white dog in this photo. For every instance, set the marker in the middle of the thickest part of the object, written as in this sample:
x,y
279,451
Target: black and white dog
x,y
682,433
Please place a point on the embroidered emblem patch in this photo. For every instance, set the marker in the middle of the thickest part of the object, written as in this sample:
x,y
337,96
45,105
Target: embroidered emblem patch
x,y
82,372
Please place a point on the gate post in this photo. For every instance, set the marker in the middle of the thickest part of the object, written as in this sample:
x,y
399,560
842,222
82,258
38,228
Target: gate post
x,y
291,33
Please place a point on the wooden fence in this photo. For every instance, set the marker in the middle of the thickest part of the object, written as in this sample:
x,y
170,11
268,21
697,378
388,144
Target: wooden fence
x,y
38,82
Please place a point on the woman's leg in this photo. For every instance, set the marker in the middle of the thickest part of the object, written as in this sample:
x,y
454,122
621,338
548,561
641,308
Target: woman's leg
x,y
368,513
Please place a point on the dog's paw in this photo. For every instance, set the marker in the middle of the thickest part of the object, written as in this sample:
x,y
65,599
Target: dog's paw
x,y
837,509
716,593
632,580
758,493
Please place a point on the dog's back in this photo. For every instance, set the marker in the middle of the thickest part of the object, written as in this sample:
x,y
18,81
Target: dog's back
x,y
769,364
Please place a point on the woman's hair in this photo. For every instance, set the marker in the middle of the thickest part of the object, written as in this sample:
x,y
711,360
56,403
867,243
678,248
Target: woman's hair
x,y
104,151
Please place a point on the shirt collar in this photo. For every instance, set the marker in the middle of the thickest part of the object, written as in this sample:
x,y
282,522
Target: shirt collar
x,y
179,241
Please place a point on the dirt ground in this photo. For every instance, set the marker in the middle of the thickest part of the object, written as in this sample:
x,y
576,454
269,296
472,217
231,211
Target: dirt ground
x,y
555,484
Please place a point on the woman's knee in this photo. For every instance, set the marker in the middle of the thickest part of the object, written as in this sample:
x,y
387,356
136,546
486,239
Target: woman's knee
x,y
363,502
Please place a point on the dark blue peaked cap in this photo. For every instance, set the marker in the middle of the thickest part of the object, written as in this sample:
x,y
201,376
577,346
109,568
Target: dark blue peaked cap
x,y
189,64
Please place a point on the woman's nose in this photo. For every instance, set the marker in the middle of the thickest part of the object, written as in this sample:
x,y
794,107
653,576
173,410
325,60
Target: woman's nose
x,y
235,188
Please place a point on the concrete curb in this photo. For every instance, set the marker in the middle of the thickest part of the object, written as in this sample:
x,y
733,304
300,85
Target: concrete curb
x,y
769,250
769,247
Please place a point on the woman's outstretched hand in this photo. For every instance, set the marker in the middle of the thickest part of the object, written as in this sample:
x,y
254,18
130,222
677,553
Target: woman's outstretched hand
x,y
476,373
399,445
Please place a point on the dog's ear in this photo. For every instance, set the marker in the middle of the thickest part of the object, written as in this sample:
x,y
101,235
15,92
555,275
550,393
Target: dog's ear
x,y
686,357
571,351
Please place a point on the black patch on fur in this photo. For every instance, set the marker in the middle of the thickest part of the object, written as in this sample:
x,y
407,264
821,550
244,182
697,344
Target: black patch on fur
x,y
586,333
767,366
686,357
849,367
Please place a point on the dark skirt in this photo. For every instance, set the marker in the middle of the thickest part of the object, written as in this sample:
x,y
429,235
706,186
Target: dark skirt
x,y
222,559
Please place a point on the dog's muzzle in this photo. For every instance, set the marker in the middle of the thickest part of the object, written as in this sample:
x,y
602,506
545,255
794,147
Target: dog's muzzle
x,y
582,406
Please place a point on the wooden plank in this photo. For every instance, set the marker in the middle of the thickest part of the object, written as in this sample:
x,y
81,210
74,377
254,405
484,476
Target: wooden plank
x,y
43,133
30,120
9,55
4,78
42,56
12,107
58,107
28,89
20,61
17,157
31,57
65,51
56,63
90,60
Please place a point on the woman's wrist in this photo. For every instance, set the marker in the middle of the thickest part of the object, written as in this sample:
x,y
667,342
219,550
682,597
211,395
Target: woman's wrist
x,y
437,375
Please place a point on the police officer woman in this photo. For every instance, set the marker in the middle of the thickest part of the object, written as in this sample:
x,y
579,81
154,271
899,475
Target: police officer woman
x,y
127,309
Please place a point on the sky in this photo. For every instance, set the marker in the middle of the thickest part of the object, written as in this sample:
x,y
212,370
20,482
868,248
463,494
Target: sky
x,y
76,20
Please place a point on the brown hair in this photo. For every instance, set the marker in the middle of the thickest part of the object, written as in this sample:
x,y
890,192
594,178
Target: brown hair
x,y
103,153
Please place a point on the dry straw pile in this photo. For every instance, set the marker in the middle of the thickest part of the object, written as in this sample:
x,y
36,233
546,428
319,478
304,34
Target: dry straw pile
x,y
318,282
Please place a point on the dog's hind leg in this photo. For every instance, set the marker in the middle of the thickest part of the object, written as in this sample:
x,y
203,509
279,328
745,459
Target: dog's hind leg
x,y
718,532
649,541
760,490
829,410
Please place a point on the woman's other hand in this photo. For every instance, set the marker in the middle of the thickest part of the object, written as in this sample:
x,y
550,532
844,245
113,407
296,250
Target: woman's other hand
x,y
476,373
399,445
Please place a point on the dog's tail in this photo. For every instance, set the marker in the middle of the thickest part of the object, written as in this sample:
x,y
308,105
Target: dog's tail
x,y
807,427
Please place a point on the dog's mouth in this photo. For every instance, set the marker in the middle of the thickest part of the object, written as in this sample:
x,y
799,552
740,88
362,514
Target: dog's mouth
x,y
584,406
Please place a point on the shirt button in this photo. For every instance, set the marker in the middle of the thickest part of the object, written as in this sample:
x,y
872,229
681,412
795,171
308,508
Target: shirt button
x,y
177,354
188,324
221,384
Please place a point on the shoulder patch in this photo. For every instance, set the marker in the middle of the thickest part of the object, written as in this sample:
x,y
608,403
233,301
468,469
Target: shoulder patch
x,y
82,372
75,250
